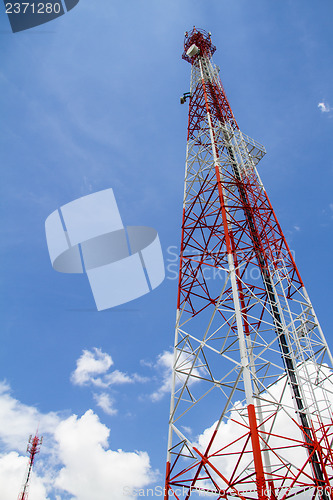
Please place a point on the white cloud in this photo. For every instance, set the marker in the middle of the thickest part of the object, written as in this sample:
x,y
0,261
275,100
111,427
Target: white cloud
x,y
105,402
92,369
144,362
18,421
164,368
324,108
96,362
75,457
89,364
118,377
91,470
187,429
140,378
164,365
12,472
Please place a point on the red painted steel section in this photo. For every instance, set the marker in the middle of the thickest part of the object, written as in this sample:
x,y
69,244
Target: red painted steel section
x,y
205,461
261,483
167,487
33,449
202,40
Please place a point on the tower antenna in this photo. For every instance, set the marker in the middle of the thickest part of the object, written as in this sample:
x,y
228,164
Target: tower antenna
x,y
33,448
251,402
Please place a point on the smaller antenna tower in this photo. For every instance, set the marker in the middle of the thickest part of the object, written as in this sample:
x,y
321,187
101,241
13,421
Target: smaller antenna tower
x,y
33,448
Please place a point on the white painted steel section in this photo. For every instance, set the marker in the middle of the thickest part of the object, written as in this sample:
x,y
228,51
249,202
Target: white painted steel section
x,y
241,336
173,387
239,319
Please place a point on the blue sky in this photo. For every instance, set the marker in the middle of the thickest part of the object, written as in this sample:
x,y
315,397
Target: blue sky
x,y
91,101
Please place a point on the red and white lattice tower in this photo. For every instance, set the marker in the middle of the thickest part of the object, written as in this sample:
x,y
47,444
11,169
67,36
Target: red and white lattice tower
x,y
252,392
33,448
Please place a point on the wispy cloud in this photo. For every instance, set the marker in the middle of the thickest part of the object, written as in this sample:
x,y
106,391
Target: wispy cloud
x,y
324,107
117,378
93,369
105,402
90,364
96,362
187,429
163,365
164,370
328,213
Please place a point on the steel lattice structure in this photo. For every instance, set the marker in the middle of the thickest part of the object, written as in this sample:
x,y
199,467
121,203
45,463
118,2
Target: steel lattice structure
x,y
33,448
251,405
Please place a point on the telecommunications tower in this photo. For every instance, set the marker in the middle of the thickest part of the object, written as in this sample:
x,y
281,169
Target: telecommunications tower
x,y
33,448
252,391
